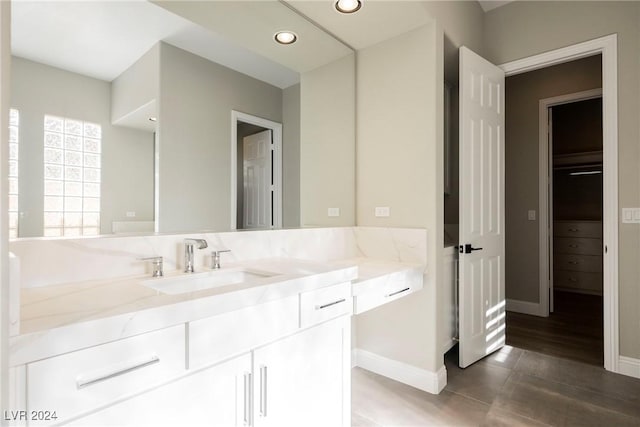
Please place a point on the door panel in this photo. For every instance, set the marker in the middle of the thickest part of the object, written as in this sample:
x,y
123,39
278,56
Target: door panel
x,y
481,262
257,164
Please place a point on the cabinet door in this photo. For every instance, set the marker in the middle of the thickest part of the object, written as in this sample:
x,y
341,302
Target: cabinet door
x,y
304,379
215,396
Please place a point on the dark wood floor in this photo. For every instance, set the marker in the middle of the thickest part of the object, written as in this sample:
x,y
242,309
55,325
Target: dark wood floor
x,y
573,331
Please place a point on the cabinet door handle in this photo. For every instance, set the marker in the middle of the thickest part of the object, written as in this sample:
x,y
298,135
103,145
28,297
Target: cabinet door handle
x,y
397,292
263,391
82,382
320,307
247,398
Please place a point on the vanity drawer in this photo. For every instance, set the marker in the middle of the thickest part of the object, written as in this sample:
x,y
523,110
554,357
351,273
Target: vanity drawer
x,y
578,229
578,280
216,338
573,245
325,303
587,263
80,381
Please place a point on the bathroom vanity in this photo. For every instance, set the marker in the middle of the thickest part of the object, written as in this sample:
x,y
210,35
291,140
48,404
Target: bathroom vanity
x,y
271,348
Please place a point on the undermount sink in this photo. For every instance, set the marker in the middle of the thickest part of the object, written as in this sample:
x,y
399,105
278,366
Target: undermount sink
x,y
207,280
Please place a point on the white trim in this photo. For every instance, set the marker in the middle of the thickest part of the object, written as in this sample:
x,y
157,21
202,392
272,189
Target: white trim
x,y
524,307
276,128
431,382
607,46
545,180
629,366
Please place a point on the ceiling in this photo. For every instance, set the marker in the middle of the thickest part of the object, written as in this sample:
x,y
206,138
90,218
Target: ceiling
x,y
488,5
101,39
236,34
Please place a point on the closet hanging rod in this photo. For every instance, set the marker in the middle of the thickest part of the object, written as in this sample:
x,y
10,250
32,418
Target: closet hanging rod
x,y
587,165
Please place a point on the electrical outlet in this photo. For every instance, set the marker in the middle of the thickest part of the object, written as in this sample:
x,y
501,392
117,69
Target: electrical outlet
x,y
131,214
383,211
333,212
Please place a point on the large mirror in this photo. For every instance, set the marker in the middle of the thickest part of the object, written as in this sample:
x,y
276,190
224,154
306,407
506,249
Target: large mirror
x,y
144,117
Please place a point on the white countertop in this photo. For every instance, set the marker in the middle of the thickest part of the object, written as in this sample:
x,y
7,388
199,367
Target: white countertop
x,y
63,318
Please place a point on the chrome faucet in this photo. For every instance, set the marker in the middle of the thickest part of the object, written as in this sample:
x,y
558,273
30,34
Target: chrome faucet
x,y
156,261
215,259
188,252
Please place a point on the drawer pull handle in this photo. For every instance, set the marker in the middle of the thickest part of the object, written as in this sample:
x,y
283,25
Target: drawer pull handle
x,y
320,307
263,391
573,279
141,363
247,398
573,246
574,229
397,292
574,262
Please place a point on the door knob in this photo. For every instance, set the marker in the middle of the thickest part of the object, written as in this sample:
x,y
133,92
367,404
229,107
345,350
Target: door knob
x,y
467,249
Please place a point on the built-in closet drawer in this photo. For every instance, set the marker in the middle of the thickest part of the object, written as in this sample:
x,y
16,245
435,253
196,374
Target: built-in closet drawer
x,y
216,338
591,229
325,303
575,245
77,382
578,280
573,262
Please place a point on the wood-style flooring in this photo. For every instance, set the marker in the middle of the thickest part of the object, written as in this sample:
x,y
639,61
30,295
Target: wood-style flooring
x,y
512,387
573,331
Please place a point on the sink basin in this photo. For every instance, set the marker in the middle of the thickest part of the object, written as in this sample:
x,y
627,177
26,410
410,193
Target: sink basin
x,y
200,281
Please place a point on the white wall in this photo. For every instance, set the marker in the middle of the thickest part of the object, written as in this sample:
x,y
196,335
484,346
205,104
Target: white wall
x,y
400,165
291,157
137,85
327,144
127,154
194,133
522,29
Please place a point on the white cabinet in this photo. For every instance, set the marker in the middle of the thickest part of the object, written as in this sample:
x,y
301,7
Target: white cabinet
x,y
304,379
216,396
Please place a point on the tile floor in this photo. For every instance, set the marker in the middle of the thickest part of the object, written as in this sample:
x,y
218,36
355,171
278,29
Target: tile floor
x,y
512,387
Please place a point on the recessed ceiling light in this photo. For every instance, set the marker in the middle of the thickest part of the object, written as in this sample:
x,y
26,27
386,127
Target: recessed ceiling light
x,y
285,37
348,6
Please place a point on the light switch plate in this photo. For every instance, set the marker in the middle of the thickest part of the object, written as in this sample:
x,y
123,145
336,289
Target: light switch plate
x,y
383,211
631,215
333,212
531,215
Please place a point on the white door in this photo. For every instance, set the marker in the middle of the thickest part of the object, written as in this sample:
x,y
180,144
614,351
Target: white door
x,y
481,261
257,178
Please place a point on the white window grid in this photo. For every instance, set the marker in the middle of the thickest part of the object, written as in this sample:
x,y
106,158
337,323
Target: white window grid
x,y
14,139
72,166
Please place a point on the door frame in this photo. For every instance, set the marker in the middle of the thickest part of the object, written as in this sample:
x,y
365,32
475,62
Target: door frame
x,y
276,129
608,47
545,190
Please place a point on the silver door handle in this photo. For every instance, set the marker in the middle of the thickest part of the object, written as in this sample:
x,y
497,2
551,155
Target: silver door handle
x,y
320,307
247,398
397,292
263,391
82,383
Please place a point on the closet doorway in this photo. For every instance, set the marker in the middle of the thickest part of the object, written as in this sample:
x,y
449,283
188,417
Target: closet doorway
x,y
575,228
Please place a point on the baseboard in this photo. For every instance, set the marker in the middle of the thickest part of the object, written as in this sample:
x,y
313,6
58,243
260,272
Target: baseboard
x,y
524,307
629,366
431,382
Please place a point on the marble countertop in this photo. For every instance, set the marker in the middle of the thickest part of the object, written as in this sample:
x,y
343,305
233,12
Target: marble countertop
x,y
62,318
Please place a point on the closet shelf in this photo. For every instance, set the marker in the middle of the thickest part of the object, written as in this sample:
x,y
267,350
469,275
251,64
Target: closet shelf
x,y
585,158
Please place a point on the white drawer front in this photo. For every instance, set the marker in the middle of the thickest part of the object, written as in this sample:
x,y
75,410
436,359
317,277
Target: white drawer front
x,y
325,304
216,338
578,229
77,382
382,290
